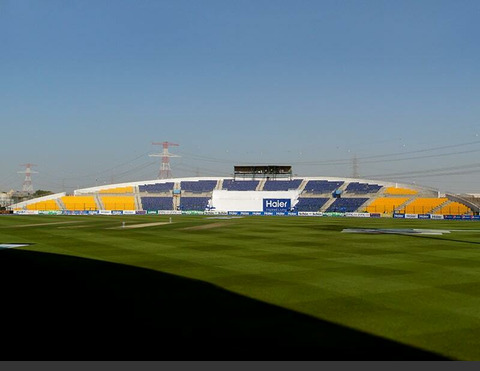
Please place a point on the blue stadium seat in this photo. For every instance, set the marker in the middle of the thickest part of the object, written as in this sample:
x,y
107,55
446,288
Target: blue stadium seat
x,y
194,203
362,188
240,185
310,204
346,204
321,186
282,185
200,186
157,203
156,188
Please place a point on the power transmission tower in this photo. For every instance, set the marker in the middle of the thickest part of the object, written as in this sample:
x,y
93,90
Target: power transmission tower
x,y
165,169
27,183
355,166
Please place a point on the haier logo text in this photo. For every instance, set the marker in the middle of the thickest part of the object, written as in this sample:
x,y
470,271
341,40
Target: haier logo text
x,y
282,205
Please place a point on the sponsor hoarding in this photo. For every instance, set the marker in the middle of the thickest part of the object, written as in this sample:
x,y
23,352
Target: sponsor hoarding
x,y
358,215
26,212
334,214
50,212
277,205
169,212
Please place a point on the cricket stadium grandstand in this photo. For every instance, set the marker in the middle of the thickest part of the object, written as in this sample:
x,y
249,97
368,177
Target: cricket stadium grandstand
x,y
259,190
195,268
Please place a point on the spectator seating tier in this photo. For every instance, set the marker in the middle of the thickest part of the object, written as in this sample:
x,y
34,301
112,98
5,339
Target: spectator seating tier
x,y
310,204
240,185
43,205
157,203
194,203
156,188
454,208
400,191
386,204
362,188
79,203
200,186
346,205
118,190
321,186
423,205
282,185
118,202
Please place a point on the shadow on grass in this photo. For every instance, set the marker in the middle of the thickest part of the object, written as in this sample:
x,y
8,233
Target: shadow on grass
x,y
58,307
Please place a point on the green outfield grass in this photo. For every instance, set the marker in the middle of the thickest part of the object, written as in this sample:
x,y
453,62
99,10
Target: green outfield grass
x,y
419,290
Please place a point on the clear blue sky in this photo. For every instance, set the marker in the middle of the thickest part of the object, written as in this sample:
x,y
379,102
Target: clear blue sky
x,y
86,86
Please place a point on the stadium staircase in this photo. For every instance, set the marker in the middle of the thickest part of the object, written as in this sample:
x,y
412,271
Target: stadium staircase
x,y
60,204
138,200
260,185
327,204
332,199
302,185
176,202
471,202
405,204
98,201
439,207
343,187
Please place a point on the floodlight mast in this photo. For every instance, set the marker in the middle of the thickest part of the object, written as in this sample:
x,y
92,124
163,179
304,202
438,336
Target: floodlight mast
x,y
165,169
27,183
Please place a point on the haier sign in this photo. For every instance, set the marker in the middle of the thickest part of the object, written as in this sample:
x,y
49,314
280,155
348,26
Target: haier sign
x,y
275,204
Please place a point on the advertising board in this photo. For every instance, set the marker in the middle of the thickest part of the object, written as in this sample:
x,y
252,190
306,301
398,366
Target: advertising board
x,y
276,204
26,212
358,215
334,214
310,213
168,212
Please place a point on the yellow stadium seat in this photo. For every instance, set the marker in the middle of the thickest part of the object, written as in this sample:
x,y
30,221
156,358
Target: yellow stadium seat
x,y
118,202
43,205
400,191
385,204
454,208
79,203
424,205
118,190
